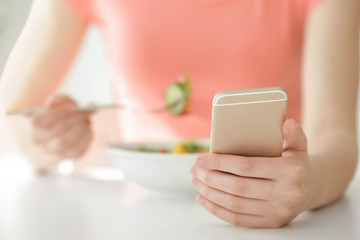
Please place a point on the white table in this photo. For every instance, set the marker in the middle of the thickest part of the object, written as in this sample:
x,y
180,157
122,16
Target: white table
x,y
61,207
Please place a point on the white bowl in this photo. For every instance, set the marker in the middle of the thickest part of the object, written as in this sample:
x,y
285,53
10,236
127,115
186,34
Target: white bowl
x,y
158,171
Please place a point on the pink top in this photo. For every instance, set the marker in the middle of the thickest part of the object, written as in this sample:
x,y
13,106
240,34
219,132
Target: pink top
x,y
222,44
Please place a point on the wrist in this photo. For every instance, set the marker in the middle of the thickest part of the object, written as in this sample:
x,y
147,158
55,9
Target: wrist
x,y
318,183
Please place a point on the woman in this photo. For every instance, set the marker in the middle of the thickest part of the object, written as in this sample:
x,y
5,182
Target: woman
x,y
222,44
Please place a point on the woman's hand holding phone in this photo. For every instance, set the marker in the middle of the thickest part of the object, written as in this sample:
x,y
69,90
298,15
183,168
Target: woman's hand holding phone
x,y
257,191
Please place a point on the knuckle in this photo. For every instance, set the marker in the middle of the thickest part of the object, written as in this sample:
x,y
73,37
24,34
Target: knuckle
x,y
204,175
246,167
217,161
235,205
205,191
240,188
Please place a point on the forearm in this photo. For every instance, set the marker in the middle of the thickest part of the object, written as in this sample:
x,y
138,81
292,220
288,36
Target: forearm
x,y
36,66
334,159
42,55
330,79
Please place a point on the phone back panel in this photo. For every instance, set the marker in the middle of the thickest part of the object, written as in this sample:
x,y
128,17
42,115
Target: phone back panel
x,y
249,122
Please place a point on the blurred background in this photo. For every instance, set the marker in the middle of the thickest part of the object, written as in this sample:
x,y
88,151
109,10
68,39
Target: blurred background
x,y
94,208
89,68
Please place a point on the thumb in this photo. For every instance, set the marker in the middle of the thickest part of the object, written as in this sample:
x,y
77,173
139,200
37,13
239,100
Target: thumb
x,y
294,137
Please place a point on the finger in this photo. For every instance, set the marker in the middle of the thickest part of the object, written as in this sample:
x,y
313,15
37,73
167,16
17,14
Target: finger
x,y
238,165
41,136
294,137
240,186
230,202
56,107
47,117
56,100
234,218
67,139
80,148
75,119
47,136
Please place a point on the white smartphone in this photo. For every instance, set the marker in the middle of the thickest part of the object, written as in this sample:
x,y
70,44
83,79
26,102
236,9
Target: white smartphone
x,y
248,122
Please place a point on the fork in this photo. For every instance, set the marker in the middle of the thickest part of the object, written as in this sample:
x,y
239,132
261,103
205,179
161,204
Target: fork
x,y
91,108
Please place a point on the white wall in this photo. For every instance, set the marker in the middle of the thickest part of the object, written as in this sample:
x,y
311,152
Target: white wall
x,y
88,80
12,17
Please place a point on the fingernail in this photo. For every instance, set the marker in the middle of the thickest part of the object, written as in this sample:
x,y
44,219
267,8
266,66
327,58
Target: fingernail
x,y
193,170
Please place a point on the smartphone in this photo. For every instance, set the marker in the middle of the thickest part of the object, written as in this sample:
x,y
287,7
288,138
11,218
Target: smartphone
x,y
248,122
